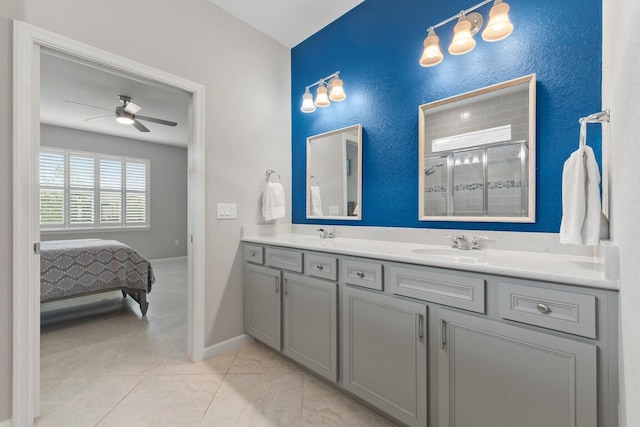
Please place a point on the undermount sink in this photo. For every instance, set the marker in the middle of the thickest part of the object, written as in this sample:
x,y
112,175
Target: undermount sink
x,y
456,255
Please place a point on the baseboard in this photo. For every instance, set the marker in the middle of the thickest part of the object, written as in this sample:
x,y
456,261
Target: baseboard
x,y
224,346
162,261
6,423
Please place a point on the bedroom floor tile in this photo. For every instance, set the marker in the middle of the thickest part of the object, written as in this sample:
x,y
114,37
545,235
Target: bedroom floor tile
x,y
170,400
120,369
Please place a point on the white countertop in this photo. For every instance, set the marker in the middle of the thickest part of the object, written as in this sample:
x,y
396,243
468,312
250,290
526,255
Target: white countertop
x,y
569,269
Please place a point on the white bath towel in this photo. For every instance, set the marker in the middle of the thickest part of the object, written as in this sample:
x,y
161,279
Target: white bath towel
x,y
273,201
315,200
581,203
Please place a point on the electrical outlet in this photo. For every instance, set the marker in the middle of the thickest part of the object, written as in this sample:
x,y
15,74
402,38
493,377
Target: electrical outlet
x,y
334,210
227,211
177,243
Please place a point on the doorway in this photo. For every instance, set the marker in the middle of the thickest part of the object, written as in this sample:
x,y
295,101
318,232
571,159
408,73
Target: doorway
x,y
28,40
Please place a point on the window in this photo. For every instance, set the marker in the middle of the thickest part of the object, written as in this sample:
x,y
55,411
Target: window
x,y
92,191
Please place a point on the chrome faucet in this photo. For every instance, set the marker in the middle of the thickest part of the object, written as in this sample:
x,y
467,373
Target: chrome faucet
x,y
459,241
475,242
327,234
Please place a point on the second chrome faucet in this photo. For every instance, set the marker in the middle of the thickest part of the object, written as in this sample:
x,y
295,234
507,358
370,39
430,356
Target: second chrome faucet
x,y
460,241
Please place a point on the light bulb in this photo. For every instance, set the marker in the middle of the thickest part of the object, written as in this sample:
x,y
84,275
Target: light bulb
x,y
322,100
431,55
499,26
123,117
463,41
337,90
307,102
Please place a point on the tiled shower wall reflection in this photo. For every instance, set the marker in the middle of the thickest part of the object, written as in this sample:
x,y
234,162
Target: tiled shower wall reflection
x,y
505,182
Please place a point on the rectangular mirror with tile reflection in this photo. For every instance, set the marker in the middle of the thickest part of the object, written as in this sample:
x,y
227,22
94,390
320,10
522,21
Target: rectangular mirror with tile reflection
x,y
477,155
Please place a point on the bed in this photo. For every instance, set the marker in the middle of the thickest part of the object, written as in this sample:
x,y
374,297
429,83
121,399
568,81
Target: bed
x,y
72,268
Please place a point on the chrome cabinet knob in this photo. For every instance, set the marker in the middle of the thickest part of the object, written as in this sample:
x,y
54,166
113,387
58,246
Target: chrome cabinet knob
x,y
360,274
319,267
544,309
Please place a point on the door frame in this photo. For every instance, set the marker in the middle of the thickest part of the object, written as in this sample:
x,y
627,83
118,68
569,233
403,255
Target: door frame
x,y
27,41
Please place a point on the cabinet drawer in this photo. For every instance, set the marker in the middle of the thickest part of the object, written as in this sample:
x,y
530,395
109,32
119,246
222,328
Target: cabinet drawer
x,y
454,290
366,274
284,258
321,266
562,311
253,254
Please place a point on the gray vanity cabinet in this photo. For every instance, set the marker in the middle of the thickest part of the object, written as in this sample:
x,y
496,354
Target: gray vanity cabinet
x,y
262,309
385,353
496,375
310,323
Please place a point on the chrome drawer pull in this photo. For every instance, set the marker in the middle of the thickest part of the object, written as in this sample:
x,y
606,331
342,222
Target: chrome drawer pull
x,y
252,254
319,267
544,309
360,274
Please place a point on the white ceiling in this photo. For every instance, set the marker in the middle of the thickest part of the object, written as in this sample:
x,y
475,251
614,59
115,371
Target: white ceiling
x,y
287,21
68,79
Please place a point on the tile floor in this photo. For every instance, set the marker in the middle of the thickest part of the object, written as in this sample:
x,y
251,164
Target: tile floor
x,y
118,369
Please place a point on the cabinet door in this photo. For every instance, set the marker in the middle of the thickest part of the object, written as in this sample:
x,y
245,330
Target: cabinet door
x,y
385,353
310,323
262,318
497,375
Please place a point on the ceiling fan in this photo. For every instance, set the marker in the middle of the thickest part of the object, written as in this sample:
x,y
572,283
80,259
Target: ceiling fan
x,y
127,114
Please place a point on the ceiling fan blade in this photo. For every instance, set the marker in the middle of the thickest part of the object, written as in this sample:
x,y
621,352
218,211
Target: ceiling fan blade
x,y
159,121
87,105
98,117
140,126
132,108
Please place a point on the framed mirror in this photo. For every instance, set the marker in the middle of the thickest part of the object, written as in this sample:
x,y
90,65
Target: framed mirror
x,y
334,174
477,155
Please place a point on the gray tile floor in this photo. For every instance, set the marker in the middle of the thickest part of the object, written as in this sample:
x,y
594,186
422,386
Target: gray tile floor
x,y
118,369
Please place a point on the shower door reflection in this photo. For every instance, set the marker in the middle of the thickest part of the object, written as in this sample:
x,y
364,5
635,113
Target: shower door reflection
x,y
490,181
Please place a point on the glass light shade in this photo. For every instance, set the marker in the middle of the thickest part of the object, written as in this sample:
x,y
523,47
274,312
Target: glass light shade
x,y
307,102
431,55
337,90
463,41
124,118
499,26
322,100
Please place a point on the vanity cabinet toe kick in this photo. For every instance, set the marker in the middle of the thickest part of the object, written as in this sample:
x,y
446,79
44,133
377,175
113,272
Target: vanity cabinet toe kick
x,y
394,335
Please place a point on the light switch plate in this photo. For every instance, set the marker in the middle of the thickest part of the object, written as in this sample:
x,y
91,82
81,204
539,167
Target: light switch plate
x,y
227,211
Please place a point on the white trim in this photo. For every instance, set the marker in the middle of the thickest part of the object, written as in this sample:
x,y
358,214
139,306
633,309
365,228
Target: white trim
x,y
6,423
167,260
229,345
27,40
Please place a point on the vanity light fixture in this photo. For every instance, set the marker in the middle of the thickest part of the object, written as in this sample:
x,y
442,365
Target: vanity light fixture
x,y
469,23
330,88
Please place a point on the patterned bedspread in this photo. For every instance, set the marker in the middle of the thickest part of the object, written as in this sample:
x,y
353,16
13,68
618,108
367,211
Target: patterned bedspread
x,y
78,267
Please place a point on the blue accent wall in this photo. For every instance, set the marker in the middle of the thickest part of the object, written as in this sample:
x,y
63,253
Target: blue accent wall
x,y
376,48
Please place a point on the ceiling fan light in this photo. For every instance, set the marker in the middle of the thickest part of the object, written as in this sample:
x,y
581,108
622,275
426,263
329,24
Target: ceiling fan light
x,y
123,117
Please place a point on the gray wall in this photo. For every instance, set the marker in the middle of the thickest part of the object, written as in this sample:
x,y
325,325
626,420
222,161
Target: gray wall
x,y
198,41
620,93
7,11
168,183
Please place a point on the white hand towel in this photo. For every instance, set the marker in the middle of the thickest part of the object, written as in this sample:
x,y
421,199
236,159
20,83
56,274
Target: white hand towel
x,y
273,201
581,203
316,200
